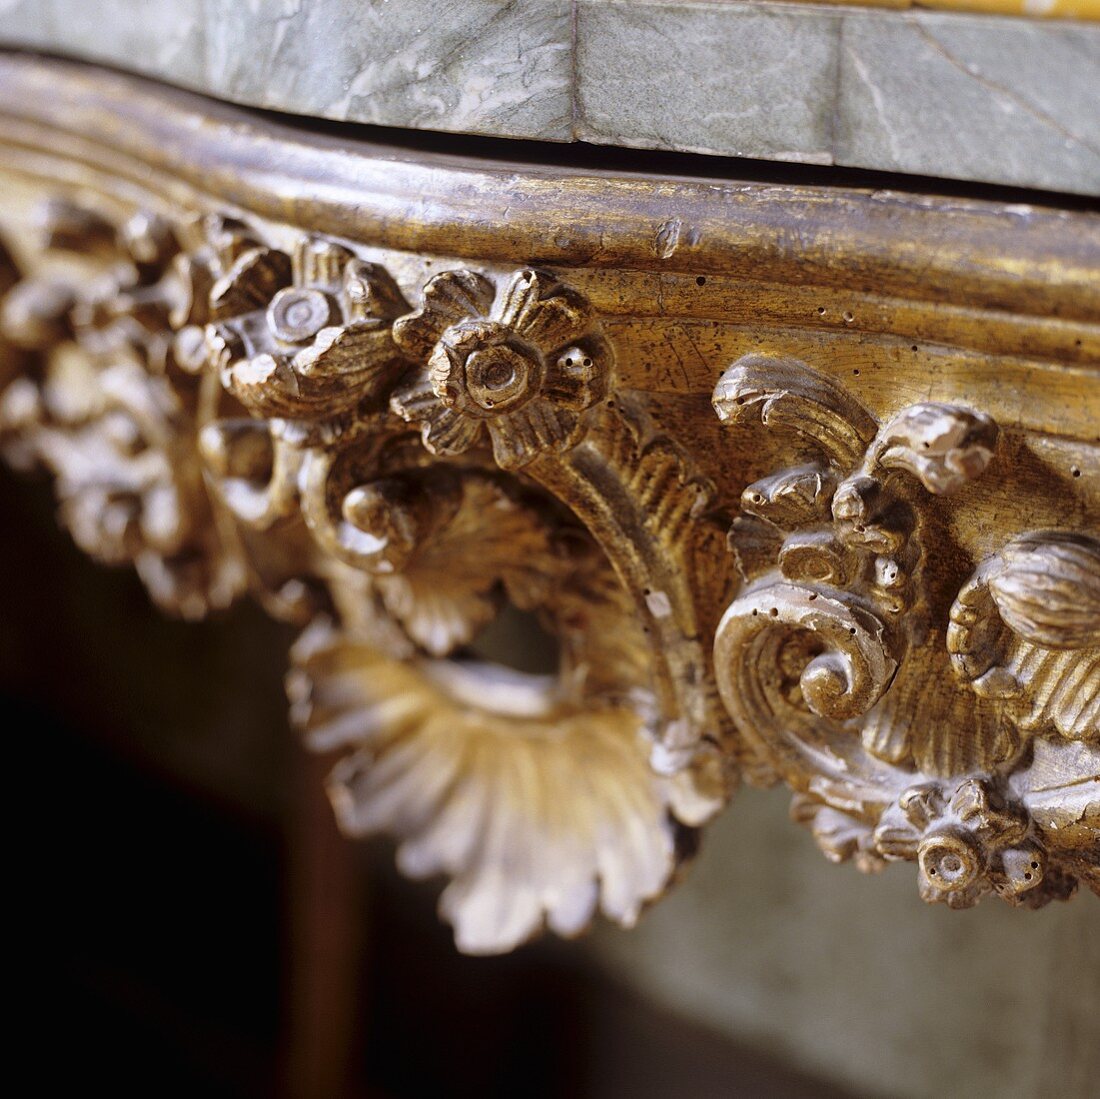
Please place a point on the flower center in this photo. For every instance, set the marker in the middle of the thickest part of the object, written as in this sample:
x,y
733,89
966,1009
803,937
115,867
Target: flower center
x,y
482,368
499,377
949,862
296,314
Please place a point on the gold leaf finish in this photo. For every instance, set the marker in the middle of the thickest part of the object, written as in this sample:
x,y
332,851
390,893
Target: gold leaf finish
x,y
811,494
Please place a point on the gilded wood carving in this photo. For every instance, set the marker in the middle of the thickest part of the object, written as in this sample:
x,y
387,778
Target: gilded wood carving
x,y
826,518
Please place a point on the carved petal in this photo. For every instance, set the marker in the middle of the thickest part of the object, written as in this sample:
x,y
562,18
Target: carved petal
x,y
444,430
578,377
519,437
449,297
251,282
449,432
538,813
543,311
839,836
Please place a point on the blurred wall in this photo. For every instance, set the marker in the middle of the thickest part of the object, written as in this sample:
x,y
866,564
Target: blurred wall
x,y
855,978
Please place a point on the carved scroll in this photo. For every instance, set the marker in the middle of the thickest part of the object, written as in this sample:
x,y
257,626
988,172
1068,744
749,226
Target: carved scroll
x,y
402,453
832,662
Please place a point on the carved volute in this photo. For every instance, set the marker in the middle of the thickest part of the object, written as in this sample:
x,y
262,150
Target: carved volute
x,y
877,583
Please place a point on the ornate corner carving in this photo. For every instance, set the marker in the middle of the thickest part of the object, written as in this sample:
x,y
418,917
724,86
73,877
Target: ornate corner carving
x,y
399,462
398,478
905,740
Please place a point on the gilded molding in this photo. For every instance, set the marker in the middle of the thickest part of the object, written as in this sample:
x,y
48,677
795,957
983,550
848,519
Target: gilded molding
x,y
765,544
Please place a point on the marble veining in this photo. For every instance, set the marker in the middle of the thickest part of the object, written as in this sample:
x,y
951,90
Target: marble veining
x,y
989,98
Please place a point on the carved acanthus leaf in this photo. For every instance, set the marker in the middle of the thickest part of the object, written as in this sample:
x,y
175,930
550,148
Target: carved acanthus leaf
x,y
1025,632
784,394
538,803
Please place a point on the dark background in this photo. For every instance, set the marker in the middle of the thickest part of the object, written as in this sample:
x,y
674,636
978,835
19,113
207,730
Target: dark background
x,y
188,921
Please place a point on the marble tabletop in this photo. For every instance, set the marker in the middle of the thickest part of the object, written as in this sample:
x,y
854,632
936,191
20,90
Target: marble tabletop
x,y
989,98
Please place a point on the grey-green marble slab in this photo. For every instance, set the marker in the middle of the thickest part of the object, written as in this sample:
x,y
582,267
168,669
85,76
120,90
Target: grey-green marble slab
x,y
976,97
500,67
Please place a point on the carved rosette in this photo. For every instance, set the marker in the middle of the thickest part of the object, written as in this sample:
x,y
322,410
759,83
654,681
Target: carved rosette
x,y
906,740
402,467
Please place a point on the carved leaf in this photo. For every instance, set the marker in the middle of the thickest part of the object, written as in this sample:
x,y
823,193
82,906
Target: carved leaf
x,y
537,811
673,502
1048,589
942,445
1025,630
928,718
457,575
789,394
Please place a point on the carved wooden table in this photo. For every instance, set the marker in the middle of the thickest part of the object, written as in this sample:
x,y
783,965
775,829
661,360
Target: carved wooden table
x,y
802,482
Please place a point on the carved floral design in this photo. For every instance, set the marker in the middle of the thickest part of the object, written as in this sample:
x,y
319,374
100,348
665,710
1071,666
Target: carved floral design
x,y
524,371
229,406
831,662
316,341
110,414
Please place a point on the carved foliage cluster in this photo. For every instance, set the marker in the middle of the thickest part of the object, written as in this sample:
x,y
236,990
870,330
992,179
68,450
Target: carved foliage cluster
x,y
907,738
290,419
401,468
106,404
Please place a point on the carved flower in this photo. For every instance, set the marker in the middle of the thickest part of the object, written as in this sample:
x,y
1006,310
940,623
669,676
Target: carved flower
x,y
532,793
966,845
524,370
314,341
